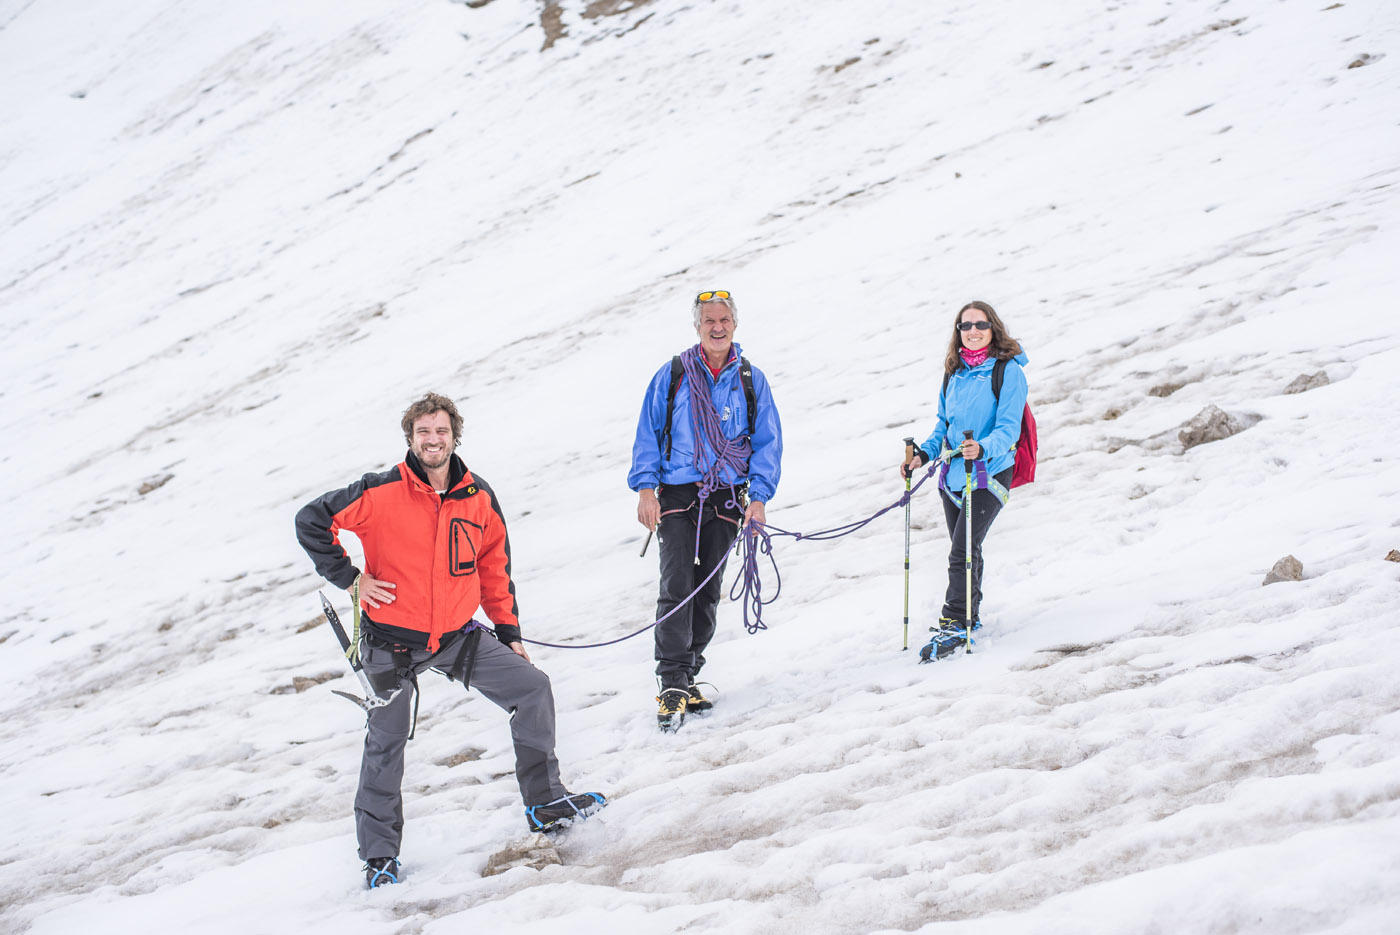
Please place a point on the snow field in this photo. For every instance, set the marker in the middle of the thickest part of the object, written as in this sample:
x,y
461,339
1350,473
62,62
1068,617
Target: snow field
x,y
261,231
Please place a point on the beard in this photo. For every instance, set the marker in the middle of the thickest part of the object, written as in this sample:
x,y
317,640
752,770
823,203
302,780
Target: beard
x,y
433,460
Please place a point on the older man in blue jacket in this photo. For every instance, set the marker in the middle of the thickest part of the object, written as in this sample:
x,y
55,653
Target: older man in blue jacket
x,y
707,458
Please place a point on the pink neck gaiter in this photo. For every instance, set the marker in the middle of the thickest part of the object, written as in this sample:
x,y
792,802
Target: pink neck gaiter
x,y
974,358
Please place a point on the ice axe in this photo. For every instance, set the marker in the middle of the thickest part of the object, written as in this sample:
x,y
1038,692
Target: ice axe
x,y
372,699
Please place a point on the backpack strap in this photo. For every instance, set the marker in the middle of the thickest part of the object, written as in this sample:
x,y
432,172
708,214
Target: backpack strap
x,y
676,370
746,378
998,375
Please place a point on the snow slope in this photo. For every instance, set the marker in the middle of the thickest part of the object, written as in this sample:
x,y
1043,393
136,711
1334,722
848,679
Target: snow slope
x,y
238,238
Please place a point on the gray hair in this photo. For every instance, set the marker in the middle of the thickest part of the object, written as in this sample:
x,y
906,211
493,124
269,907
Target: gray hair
x,y
728,303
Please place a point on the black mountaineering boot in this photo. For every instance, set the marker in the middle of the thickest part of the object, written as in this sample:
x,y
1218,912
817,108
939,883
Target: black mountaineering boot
x,y
670,714
381,871
697,701
949,636
943,643
562,812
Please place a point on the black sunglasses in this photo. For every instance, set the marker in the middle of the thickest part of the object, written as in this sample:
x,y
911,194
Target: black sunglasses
x,y
969,325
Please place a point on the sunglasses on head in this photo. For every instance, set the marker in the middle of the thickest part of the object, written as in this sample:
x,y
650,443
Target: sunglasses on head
x,y
711,296
969,325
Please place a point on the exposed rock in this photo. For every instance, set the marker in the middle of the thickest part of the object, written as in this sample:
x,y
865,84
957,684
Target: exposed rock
x,y
1211,424
311,624
1393,556
1163,390
600,8
301,683
1307,381
552,21
468,755
535,852
154,483
1287,568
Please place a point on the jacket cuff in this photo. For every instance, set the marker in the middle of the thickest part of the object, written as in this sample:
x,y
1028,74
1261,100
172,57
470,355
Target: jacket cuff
x,y
343,581
507,633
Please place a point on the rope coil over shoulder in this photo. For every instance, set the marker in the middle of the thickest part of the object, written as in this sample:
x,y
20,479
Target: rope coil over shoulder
x,y
731,453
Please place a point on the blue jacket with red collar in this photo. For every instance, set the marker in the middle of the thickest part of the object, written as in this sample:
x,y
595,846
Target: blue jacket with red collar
x,y
649,465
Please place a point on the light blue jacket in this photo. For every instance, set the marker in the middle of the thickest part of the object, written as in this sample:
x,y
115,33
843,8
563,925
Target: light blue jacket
x,y
970,404
727,392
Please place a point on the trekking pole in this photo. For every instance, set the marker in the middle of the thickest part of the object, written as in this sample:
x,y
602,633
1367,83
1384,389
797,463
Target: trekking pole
x,y
908,480
647,543
967,548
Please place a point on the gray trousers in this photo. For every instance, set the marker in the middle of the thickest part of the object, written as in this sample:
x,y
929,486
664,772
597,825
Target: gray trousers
x,y
507,680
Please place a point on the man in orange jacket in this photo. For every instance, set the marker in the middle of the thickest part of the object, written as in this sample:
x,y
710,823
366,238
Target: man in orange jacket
x,y
436,550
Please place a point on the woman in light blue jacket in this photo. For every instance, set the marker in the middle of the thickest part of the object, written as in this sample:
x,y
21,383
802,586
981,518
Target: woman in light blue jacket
x,y
969,402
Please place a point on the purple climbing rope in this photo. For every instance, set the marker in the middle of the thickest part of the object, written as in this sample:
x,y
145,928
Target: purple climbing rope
x,y
687,599
708,429
757,540
754,541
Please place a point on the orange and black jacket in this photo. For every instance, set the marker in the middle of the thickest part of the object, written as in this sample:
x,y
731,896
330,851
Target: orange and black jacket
x,y
447,554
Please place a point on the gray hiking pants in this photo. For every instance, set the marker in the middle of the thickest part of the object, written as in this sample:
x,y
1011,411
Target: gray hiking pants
x,y
507,680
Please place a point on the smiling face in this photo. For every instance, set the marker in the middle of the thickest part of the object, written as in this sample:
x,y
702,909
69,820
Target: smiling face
x,y
974,339
716,329
431,441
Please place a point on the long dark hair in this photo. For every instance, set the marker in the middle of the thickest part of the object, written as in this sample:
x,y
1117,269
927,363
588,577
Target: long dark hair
x,y
1002,347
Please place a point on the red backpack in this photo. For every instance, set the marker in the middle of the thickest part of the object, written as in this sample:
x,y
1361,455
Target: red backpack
x,y
1024,471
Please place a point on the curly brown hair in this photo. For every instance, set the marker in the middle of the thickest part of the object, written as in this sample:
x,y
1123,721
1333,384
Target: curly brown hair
x,y
429,404
1003,346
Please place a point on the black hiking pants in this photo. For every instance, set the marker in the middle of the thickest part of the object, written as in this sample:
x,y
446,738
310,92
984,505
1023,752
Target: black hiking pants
x,y
681,638
985,507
